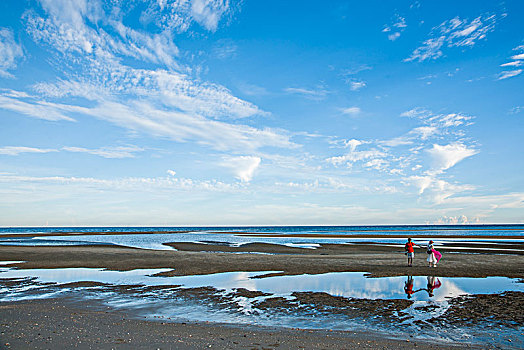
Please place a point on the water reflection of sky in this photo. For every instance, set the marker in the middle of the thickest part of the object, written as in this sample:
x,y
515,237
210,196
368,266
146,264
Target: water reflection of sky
x,y
345,284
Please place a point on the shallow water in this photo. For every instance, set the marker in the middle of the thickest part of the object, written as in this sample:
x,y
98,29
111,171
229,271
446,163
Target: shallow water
x,y
128,290
345,284
156,241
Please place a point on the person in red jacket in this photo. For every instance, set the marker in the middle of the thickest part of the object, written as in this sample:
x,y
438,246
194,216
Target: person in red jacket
x,y
410,252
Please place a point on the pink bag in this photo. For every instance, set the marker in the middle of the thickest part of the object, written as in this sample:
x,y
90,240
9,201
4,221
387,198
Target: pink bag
x,y
437,254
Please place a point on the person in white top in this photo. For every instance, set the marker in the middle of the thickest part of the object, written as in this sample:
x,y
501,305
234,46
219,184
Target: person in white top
x,y
432,260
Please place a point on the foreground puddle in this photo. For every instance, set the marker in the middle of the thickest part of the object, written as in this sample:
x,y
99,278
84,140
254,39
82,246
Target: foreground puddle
x,y
404,306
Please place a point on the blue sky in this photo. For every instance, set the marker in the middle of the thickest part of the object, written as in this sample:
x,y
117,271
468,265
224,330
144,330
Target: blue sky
x,y
216,112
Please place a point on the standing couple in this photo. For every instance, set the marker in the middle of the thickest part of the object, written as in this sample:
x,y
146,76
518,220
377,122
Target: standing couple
x,y
433,255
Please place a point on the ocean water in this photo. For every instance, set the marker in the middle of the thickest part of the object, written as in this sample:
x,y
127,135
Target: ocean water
x,y
303,236
463,230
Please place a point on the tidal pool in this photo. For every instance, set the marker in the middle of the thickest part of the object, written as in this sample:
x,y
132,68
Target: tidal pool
x,y
400,305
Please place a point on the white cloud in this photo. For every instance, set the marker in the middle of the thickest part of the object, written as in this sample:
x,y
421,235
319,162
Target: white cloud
x,y
424,131
394,36
377,164
171,89
318,93
29,106
208,12
454,33
438,121
517,62
225,49
352,144
421,182
10,52
145,117
509,74
128,183
407,154
445,157
182,127
401,22
164,103
356,156
398,25
252,90
450,120
108,152
455,220
16,150
243,167
352,111
437,190
171,172
356,85
82,28
491,202
417,112
512,64
397,141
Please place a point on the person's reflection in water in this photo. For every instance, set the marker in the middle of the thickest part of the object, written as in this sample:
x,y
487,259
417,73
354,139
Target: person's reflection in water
x,y
433,283
408,287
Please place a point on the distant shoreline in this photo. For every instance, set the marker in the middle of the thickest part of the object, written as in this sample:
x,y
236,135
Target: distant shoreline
x,y
189,227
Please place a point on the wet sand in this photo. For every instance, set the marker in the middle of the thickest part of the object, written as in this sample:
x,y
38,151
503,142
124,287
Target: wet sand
x,y
194,258
66,323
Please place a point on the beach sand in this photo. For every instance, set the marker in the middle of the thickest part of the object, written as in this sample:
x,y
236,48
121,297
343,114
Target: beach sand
x,y
63,323
193,258
67,324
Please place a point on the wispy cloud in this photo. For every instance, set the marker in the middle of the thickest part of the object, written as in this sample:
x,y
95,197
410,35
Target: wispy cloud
x,y
509,74
128,183
91,42
518,60
438,120
396,28
251,89
10,52
437,190
209,12
512,64
171,89
516,110
225,49
356,85
355,156
455,32
446,156
30,106
351,111
145,117
243,167
16,150
455,220
317,93
108,152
